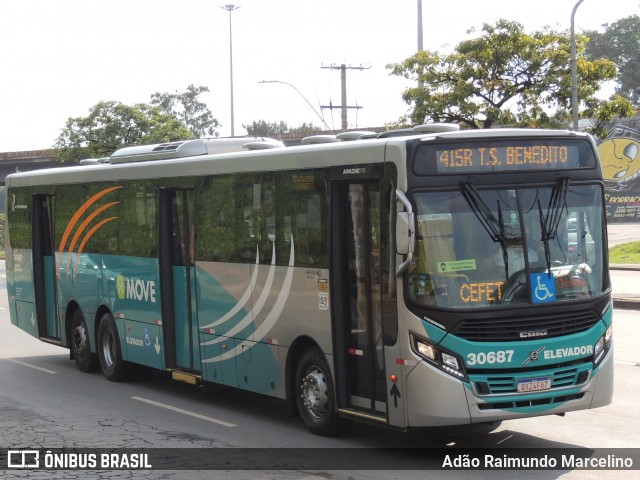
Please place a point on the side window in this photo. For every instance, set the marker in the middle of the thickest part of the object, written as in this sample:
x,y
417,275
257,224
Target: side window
x,y
19,210
239,214
303,214
227,226
137,222
67,202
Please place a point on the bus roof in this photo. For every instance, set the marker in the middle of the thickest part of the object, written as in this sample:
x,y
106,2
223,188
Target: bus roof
x,y
176,162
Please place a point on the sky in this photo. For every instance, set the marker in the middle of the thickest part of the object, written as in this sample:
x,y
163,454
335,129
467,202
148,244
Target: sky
x,y
59,58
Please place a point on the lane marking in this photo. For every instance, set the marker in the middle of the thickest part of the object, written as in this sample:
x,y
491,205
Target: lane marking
x,y
625,362
45,370
185,412
504,439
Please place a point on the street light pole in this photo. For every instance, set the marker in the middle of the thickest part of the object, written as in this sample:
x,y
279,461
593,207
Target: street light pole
x,y
420,46
305,99
230,8
574,68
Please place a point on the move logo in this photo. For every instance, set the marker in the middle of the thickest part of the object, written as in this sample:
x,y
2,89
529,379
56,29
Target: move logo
x,y
136,289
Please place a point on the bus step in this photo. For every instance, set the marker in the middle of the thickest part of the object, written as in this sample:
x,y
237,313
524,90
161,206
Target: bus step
x,y
356,414
186,377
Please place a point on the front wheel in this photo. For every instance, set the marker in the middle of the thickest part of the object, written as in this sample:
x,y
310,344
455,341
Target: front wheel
x,y
109,351
81,344
315,395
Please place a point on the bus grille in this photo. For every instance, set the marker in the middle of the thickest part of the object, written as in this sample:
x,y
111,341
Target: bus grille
x,y
530,403
526,327
506,384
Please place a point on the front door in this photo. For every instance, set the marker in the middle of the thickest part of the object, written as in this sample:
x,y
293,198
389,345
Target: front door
x,y
177,263
358,320
44,270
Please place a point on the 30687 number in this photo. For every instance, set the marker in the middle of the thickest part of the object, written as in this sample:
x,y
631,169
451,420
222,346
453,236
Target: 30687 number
x,y
489,358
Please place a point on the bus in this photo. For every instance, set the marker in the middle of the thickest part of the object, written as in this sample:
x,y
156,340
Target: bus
x,y
432,278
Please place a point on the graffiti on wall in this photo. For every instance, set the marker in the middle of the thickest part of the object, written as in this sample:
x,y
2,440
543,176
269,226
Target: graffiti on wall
x,y
620,157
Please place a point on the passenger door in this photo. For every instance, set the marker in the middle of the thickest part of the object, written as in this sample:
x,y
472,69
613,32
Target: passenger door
x,y
44,267
177,274
359,212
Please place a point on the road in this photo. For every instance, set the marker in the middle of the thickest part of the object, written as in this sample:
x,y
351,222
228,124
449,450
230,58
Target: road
x,y
46,402
622,233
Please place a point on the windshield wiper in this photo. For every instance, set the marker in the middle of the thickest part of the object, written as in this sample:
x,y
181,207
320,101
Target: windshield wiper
x,y
494,227
549,224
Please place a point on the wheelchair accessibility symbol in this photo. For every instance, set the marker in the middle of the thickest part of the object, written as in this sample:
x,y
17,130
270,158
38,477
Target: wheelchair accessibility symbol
x,y
543,288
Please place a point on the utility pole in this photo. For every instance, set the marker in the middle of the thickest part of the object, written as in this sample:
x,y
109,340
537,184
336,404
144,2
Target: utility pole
x,y
343,81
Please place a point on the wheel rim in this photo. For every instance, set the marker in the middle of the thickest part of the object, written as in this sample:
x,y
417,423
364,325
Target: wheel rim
x,y
108,348
80,340
314,393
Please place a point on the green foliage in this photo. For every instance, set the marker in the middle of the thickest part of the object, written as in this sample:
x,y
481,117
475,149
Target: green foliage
x,y
189,109
625,253
113,125
604,112
262,128
620,42
503,77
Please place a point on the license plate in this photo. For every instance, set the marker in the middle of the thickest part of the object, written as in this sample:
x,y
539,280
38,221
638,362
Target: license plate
x,y
534,384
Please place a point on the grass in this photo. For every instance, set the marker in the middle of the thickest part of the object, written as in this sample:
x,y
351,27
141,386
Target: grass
x,y
625,253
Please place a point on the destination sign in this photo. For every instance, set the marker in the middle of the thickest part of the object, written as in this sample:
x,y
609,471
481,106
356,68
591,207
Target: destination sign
x,y
504,156
493,158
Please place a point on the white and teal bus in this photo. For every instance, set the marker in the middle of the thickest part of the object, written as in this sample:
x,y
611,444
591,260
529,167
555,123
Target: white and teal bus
x,y
436,278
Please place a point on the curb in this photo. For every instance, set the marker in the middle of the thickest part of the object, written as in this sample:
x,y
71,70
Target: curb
x,y
623,266
629,302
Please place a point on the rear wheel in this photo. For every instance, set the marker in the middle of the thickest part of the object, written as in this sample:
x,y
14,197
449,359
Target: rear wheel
x,y
315,395
109,352
81,344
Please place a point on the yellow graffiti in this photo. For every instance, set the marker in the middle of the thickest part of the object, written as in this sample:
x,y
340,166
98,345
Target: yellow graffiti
x,y
620,159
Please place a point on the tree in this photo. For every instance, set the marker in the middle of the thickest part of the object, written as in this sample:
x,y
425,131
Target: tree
x,y
262,128
305,129
187,107
113,125
504,77
620,42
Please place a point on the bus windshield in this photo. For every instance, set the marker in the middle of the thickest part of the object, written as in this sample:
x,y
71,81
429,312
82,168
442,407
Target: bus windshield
x,y
492,247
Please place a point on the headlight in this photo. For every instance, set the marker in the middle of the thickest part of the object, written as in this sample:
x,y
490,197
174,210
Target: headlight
x,y
444,360
602,345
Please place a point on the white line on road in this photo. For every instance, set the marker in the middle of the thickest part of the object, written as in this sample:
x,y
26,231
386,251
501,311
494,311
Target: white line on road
x,y
185,412
625,362
504,439
45,370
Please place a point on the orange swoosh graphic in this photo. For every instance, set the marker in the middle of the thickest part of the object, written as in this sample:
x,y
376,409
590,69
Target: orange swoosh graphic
x,y
90,234
79,212
84,224
76,216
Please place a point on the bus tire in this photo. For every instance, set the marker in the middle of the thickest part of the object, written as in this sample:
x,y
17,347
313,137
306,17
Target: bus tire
x,y
109,351
86,361
315,395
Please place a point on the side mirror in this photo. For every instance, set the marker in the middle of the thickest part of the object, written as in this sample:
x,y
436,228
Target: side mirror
x,y
405,232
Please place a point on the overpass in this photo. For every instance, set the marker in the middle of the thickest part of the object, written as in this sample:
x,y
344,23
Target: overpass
x,y
12,162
